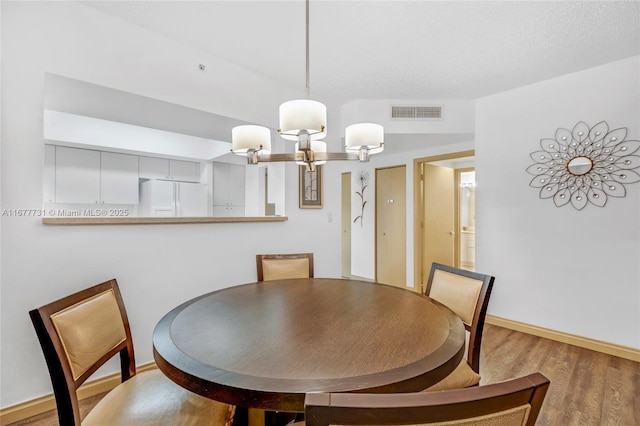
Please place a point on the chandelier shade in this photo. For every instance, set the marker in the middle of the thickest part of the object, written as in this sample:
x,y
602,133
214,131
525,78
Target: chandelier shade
x,y
250,138
303,115
364,136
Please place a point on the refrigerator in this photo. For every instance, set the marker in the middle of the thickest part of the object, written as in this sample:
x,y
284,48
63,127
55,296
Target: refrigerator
x,y
164,198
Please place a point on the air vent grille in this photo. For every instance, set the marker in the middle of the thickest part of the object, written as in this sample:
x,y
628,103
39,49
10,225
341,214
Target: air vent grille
x,y
416,112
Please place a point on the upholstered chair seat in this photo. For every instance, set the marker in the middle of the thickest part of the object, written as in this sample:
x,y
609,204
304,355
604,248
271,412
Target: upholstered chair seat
x,y
462,377
150,398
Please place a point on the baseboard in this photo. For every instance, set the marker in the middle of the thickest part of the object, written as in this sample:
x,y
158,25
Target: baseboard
x,y
583,342
356,277
40,405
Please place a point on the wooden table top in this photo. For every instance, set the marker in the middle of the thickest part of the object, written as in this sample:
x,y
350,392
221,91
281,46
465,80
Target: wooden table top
x,y
264,345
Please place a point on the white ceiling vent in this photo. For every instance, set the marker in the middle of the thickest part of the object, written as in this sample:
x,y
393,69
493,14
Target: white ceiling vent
x,y
433,112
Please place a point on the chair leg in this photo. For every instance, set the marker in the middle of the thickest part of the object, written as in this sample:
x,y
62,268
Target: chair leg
x,y
278,418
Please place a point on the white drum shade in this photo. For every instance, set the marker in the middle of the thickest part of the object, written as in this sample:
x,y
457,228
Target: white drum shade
x,y
369,135
244,138
303,114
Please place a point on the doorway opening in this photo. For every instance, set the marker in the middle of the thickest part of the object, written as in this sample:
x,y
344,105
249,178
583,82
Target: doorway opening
x,y
466,217
439,215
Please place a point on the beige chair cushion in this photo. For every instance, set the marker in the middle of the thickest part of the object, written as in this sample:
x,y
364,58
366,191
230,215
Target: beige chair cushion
x,y
281,269
462,377
458,293
83,341
150,398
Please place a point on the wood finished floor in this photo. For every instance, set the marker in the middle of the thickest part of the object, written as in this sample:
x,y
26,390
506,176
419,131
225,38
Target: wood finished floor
x,y
587,388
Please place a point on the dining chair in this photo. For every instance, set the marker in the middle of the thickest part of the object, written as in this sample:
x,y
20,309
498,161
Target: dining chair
x,y
467,294
284,266
81,332
510,403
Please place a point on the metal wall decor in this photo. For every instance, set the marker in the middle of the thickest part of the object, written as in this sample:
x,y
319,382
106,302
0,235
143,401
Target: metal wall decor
x,y
363,180
585,165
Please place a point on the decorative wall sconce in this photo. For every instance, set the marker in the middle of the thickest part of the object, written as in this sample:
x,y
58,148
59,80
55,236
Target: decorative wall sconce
x,y
585,165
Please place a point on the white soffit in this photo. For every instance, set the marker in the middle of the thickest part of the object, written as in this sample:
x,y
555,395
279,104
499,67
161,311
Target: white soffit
x,y
94,133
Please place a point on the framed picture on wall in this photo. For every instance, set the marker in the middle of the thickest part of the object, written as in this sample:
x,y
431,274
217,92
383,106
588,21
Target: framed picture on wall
x,y
310,188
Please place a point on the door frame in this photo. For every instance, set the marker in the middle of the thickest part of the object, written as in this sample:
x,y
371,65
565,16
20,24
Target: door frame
x,y
418,212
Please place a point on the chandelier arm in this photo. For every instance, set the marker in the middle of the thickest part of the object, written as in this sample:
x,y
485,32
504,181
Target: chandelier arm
x,y
281,157
332,156
317,156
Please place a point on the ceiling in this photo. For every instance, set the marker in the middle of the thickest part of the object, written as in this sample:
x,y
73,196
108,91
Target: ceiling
x,y
399,49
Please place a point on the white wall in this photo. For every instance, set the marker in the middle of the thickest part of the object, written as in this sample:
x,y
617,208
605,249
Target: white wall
x,y
567,270
157,266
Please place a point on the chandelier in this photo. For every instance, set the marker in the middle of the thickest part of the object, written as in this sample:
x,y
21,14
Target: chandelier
x,y
305,122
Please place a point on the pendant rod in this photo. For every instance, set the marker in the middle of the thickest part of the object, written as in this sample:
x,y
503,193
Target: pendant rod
x,y
307,90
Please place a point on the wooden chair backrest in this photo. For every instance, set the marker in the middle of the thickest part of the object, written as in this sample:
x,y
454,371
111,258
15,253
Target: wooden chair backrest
x,y
78,334
467,294
284,266
510,403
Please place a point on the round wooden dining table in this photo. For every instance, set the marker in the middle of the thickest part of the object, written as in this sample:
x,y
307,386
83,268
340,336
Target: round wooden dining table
x,y
264,345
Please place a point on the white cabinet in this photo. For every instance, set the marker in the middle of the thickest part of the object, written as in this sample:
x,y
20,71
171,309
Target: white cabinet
x,y
467,248
153,168
162,168
77,176
49,175
228,190
118,178
84,176
184,171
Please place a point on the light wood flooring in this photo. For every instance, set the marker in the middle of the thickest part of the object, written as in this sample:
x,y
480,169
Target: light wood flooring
x,y
587,388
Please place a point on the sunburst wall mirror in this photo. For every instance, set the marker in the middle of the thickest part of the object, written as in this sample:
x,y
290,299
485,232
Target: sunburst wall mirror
x,y
585,165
